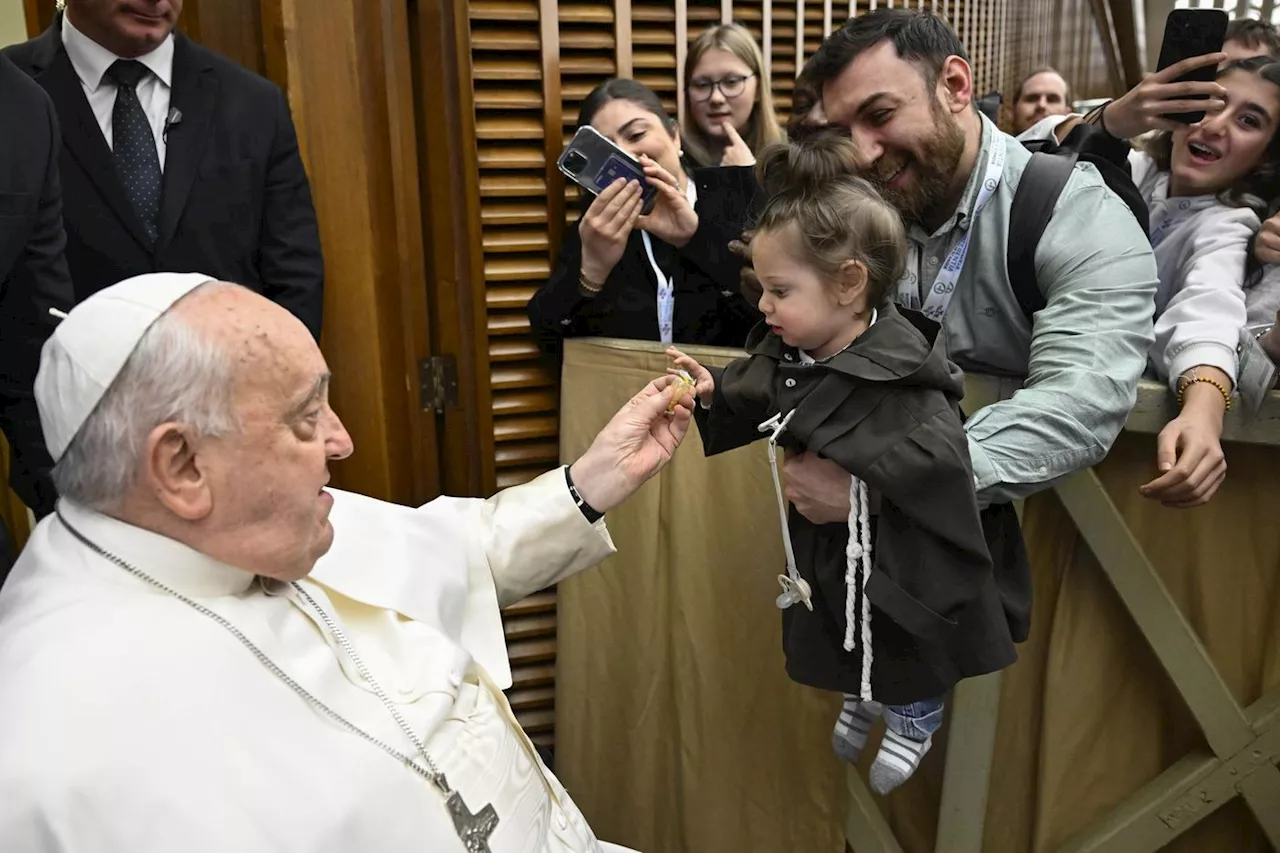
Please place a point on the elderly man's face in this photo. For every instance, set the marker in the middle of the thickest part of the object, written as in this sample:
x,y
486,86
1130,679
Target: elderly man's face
x,y
270,513
128,28
908,136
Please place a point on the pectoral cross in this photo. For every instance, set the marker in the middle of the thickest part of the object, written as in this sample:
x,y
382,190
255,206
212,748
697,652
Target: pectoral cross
x,y
473,829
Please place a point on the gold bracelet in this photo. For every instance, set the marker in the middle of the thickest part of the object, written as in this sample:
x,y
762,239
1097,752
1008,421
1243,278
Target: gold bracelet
x,y
589,285
1184,385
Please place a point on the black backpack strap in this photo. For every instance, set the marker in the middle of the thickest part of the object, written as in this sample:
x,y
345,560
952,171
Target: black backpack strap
x,y
1042,182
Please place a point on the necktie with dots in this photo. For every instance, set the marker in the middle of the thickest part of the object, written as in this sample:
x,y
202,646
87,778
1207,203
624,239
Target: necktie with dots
x,y
134,144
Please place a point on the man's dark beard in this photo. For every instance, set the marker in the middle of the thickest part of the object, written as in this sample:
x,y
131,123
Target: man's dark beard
x,y
933,169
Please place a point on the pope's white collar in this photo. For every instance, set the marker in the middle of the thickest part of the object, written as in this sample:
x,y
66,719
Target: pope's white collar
x,y
177,566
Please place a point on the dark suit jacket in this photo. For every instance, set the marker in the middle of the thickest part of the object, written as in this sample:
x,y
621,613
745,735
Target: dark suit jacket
x,y
235,202
709,306
33,273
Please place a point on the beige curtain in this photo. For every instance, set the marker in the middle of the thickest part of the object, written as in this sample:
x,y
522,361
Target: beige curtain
x,y
677,729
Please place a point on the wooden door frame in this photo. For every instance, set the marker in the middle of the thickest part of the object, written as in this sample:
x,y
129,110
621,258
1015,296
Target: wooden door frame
x,y
363,165
39,14
450,199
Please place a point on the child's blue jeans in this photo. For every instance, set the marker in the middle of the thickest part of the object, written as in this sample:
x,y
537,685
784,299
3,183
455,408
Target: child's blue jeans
x,y
917,720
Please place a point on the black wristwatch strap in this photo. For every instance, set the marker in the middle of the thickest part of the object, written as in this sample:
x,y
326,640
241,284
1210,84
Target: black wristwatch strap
x,y
590,513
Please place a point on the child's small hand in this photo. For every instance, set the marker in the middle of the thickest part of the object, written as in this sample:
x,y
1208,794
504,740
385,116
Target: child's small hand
x,y
703,383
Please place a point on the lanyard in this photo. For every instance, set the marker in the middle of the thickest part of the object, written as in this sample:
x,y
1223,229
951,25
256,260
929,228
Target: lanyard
x,y
667,284
944,286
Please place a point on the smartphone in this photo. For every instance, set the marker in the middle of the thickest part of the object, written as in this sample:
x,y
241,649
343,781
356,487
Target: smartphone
x,y
1188,33
593,162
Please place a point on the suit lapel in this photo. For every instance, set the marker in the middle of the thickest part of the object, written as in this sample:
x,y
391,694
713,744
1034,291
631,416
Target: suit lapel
x,y
83,138
195,90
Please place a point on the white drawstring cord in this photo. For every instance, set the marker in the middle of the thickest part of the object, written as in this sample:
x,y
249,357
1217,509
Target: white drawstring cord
x,y
857,572
794,588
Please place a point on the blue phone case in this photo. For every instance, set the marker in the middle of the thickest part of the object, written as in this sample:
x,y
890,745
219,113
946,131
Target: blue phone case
x,y
615,168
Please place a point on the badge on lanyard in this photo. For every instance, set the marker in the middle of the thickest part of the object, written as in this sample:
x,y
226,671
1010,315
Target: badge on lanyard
x,y
944,286
667,283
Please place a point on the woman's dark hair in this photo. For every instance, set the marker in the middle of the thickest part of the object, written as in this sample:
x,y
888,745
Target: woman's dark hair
x,y
837,216
1260,185
623,89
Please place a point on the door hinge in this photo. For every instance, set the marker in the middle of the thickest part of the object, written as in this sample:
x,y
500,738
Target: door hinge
x,y
437,383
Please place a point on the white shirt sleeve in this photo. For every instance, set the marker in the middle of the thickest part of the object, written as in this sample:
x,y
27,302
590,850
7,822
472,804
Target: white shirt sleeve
x,y
534,536
1201,323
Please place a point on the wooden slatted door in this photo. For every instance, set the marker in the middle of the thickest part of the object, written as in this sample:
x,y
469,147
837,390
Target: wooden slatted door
x,y
783,64
508,84
591,47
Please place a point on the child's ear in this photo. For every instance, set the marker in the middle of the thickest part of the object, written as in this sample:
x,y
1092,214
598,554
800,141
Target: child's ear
x,y
852,290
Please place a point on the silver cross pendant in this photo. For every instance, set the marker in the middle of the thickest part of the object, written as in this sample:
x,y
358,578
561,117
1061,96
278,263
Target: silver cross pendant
x,y
473,829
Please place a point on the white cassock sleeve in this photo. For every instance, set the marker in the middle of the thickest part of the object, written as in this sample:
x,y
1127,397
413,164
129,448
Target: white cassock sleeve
x,y
454,562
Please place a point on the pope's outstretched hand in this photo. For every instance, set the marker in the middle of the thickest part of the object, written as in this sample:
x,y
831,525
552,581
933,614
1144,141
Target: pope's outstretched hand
x,y
633,446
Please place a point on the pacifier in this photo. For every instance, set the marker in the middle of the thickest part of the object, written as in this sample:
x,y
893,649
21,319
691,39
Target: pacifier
x,y
794,591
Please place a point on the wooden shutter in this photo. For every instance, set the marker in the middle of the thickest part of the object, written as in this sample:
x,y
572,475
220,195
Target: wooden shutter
x,y
701,15
654,27
509,62
782,50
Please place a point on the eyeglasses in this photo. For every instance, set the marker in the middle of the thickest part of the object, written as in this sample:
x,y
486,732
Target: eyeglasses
x,y
731,87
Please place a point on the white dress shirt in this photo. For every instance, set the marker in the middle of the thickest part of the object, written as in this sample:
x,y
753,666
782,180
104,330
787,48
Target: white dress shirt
x,y
134,723
91,61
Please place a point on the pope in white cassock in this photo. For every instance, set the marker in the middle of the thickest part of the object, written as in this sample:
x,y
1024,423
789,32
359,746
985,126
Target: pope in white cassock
x,y
206,650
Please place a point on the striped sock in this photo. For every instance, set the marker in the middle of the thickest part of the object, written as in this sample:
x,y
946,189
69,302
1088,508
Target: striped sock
x,y
898,758
855,721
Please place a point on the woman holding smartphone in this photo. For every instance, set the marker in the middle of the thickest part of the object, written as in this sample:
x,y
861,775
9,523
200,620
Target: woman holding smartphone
x,y
1206,185
663,276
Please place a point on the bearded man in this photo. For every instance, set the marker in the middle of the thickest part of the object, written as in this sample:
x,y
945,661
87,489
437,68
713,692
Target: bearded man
x,y
899,83
205,649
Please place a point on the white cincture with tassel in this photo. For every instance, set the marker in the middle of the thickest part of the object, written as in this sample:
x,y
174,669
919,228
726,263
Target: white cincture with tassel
x,y
795,589
857,573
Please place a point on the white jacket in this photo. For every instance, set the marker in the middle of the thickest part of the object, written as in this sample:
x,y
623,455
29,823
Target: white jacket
x,y
1201,247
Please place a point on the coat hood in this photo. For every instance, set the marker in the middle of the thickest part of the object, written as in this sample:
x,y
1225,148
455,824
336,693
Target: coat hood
x,y
902,347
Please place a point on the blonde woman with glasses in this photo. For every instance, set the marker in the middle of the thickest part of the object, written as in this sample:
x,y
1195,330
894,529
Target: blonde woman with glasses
x,y
729,112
